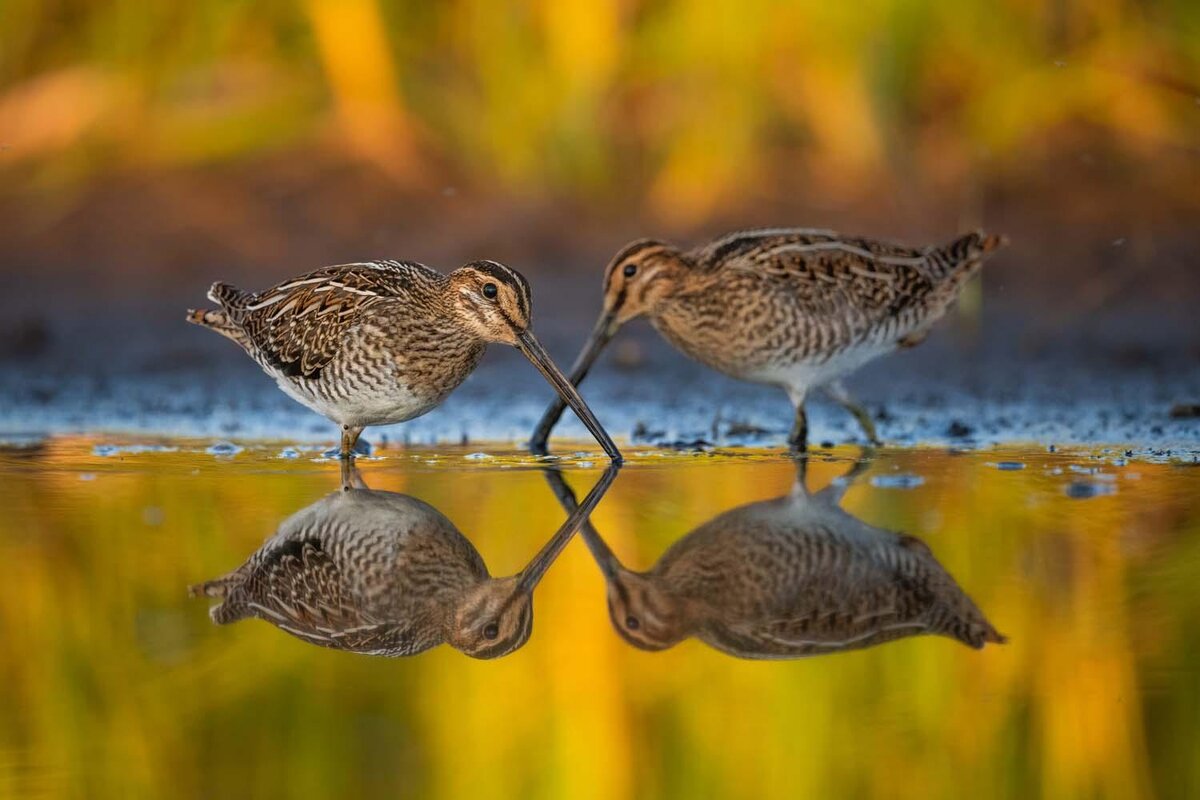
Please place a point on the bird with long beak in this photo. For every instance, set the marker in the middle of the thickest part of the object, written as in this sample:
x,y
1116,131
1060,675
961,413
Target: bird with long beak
x,y
385,341
385,574
785,578
793,308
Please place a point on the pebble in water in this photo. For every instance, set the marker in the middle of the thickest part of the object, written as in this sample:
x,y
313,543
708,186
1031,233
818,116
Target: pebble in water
x,y
1081,490
898,481
223,449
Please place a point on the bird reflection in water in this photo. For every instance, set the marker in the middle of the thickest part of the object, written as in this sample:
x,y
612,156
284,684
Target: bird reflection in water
x,y
385,574
785,578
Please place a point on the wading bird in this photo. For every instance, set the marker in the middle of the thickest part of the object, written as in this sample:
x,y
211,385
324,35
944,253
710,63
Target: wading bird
x,y
792,308
384,341
386,574
785,578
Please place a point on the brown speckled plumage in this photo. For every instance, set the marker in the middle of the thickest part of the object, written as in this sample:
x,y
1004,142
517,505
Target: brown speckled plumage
x,y
384,574
792,308
785,578
384,341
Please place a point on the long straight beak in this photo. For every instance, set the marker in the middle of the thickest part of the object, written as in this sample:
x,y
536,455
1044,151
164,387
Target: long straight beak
x,y
534,351
605,559
601,334
577,516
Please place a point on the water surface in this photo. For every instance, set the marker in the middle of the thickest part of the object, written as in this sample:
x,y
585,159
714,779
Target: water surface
x,y
117,683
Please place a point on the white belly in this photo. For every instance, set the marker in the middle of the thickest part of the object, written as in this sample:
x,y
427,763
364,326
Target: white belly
x,y
798,377
391,403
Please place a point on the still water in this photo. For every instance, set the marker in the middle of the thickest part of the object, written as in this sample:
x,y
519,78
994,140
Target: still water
x,y
995,623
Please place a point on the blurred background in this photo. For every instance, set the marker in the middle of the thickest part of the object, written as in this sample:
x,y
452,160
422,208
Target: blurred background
x,y
148,149
162,140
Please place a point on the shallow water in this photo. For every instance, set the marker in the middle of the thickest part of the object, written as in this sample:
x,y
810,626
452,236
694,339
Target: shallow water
x,y
117,683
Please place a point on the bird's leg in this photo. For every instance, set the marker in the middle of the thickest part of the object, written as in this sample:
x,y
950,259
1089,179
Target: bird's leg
x,y
839,394
800,485
859,467
351,479
349,439
798,438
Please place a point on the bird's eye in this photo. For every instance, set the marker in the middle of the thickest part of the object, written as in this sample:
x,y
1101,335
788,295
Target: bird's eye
x,y
492,630
632,623
630,270
490,291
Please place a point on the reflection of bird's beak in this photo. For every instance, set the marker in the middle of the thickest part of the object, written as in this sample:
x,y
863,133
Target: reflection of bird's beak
x,y
606,326
578,516
534,351
604,557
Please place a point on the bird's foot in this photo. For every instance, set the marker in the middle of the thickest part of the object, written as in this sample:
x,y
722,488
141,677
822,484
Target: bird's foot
x,y
361,448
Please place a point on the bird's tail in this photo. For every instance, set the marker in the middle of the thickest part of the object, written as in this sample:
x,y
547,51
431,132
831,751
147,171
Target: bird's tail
x,y
227,611
220,320
217,587
226,296
217,321
959,618
207,318
966,253
980,632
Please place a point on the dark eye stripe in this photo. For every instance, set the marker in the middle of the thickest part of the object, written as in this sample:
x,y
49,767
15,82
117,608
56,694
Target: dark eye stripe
x,y
633,248
510,277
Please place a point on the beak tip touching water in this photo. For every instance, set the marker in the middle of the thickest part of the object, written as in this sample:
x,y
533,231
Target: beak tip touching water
x,y
533,350
601,334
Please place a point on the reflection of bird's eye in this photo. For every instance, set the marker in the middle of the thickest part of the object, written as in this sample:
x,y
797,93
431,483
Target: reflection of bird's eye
x,y
632,623
489,290
630,270
492,630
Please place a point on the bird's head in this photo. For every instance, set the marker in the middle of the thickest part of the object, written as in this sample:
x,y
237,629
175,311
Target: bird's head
x,y
493,619
492,300
644,614
636,279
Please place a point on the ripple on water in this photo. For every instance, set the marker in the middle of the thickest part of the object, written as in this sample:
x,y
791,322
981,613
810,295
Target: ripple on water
x,y
108,450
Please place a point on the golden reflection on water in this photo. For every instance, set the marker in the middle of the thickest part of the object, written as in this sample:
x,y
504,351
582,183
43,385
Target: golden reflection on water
x,y
116,683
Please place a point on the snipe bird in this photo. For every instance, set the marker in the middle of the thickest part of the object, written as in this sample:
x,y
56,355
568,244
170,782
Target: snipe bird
x,y
786,578
384,341
386,574
792,308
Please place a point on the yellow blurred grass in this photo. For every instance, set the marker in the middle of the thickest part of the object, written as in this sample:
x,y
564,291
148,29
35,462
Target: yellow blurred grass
x,y
678,106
